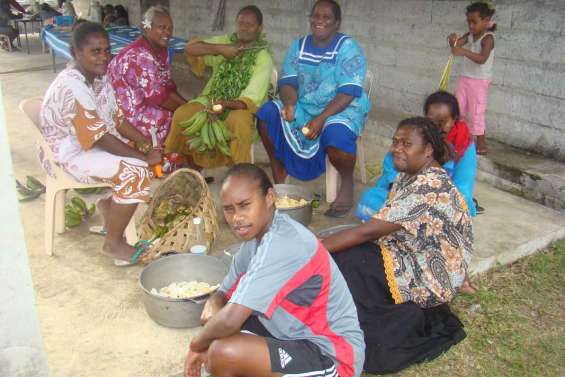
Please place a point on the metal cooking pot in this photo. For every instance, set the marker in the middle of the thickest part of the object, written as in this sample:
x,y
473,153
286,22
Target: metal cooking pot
x,y
178,312
302,214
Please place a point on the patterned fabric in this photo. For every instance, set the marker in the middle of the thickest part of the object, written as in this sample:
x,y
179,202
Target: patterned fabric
x,y
142,81
462,172
427,260
319,74
74,115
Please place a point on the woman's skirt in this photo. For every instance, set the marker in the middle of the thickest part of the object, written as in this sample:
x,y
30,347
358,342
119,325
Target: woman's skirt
x,y
396,336
335,135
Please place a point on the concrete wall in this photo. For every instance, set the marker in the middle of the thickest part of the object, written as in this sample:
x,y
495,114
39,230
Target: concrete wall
x,y
404,41
21,345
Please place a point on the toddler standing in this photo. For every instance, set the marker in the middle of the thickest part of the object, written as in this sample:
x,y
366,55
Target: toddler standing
x,y
477,49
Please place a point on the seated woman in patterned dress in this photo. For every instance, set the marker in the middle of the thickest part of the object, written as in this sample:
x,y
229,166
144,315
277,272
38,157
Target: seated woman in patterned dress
x,y
443,109
409,261
141,77
323,106
81,122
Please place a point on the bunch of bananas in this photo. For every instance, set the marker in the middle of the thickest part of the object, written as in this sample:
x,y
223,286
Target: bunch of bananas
x,y
207,132
76,211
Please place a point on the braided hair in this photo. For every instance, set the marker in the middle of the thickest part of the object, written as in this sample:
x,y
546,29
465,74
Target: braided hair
x,y
431,134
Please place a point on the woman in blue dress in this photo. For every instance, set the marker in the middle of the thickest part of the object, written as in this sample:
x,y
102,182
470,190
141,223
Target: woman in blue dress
x,y
322,107
443,109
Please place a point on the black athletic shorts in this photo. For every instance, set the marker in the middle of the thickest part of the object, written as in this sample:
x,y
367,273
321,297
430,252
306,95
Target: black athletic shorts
x,y
292,357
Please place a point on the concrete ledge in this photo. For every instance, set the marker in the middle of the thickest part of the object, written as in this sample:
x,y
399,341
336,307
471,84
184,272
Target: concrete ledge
x,y
524,174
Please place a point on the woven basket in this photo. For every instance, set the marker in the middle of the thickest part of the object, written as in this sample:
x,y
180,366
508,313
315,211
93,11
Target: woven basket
x,y
188,189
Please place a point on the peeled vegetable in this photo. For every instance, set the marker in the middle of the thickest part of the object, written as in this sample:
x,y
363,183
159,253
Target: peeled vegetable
x,y
286,202
185,289
305,131
217,107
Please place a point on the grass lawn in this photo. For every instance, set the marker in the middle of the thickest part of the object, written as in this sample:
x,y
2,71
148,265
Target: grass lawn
x,y
515,324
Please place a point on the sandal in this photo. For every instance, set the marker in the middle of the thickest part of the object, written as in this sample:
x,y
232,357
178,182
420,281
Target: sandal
x,y
480,210
338,210
142,246
98,229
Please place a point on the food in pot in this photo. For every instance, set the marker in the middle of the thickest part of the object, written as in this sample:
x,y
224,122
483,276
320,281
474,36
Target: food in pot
x,y
286,202
185,289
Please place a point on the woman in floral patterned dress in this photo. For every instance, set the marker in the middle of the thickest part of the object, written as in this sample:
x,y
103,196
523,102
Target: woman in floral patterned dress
x,y
405,264
81,122
141,77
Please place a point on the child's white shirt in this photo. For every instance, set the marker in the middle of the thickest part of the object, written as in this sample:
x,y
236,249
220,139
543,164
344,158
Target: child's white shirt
x,y
472,69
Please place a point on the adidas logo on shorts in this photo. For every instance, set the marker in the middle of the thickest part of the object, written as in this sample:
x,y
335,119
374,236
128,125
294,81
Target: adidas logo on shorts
x,y
285,358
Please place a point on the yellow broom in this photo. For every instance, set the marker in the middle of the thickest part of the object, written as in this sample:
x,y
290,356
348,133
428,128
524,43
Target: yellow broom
x,y
444,81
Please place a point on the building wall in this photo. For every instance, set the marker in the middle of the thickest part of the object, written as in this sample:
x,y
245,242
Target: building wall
x,y
21,345
405,43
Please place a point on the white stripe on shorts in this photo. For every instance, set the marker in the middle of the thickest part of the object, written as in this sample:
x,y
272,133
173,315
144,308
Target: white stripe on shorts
x,y
331,372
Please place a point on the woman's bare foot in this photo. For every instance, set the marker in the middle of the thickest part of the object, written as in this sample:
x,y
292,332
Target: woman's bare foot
x,y
118,249
468,287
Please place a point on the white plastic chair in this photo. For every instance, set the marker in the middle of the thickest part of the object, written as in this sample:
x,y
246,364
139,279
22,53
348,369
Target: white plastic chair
x,y
59,184
333,179
274,82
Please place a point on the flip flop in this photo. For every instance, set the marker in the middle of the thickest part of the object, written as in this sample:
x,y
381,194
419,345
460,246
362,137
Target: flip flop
x,y
338,211
98,229
142,246
480,210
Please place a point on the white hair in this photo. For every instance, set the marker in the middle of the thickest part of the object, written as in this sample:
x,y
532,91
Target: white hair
x,y
153,11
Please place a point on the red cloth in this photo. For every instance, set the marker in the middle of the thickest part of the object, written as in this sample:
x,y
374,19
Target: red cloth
x,y
460,138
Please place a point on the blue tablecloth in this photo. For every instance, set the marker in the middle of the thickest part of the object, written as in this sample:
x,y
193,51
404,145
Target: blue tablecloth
x,y
120,36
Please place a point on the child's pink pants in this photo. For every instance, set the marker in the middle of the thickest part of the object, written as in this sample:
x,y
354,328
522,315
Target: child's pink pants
x,y
472,97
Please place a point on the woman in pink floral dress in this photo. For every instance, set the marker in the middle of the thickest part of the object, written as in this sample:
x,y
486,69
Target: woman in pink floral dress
x,y
141,77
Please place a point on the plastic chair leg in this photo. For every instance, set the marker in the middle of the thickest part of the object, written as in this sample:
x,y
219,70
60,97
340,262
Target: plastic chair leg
x,y
60,211
49,220
252,154
332,181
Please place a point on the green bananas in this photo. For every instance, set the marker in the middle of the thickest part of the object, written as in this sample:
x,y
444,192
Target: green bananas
x,y
207,132
76,211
